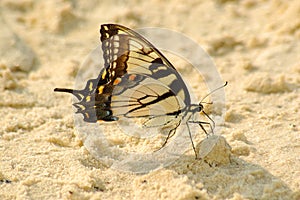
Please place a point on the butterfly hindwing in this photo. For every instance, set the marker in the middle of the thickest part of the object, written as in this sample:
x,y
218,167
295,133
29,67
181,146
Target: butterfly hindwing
x,y
148,99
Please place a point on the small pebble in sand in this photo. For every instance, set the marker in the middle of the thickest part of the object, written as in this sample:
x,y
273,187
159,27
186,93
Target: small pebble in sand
x,y
266,84
240,136
7,79
214,150
3,179
223,45
241,150
233,116
245,64
15,54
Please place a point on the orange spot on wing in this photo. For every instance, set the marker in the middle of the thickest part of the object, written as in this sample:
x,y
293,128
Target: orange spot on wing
x,y
132,77
117,81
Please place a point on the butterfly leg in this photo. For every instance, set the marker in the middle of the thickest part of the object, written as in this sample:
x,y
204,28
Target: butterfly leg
x,y
170,134
194,148
200,123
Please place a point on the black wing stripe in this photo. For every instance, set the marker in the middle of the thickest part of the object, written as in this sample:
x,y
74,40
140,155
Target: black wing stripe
x,y
159,98
115,29
137,45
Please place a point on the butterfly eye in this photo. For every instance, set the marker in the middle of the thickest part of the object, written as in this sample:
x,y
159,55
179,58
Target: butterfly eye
x,y
200,107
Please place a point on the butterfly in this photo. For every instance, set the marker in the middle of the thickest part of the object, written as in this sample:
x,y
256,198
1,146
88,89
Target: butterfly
x,y
137,81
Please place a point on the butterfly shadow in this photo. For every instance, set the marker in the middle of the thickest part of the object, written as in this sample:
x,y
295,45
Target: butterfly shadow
x,y
236,178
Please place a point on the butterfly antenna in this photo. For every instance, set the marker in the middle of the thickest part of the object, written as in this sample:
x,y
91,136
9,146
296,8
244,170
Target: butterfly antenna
x,y
204,102
214,91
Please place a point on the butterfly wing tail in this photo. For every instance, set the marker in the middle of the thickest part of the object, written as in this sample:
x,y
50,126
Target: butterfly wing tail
x,y
76,93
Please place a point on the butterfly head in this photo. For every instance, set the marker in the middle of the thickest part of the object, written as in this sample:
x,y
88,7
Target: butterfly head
x,y
200,107
195,108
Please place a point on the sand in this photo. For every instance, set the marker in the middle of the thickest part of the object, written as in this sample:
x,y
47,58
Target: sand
x,y
255,45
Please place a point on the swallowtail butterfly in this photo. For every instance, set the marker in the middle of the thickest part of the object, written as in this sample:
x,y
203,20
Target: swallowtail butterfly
x,y
137,81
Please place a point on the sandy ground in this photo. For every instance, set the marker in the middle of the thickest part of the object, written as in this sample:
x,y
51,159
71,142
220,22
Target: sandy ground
x,y
256,47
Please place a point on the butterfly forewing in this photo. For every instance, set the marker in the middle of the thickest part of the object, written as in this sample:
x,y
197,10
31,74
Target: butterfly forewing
x,y
141,58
